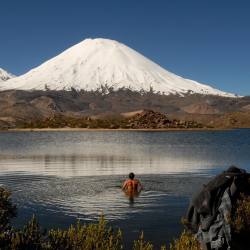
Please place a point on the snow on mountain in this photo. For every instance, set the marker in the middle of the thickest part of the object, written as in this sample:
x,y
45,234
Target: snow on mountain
x,y
4,75
96,62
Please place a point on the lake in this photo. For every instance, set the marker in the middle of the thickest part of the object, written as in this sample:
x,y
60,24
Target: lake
x,y
64,176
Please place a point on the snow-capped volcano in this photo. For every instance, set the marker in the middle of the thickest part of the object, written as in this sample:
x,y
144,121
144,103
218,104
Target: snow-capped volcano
x,y
4,75
96,62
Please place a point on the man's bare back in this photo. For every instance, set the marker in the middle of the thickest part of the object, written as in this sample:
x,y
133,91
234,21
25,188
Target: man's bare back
x,y
131,184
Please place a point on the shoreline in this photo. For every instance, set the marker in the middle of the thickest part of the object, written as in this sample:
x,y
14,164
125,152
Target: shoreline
x,y
109,129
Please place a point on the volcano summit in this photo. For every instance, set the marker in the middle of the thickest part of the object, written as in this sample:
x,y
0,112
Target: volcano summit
x,y
97,62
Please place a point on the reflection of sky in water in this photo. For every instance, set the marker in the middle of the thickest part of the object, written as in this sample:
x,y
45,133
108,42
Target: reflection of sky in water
x,y
69,154
60,175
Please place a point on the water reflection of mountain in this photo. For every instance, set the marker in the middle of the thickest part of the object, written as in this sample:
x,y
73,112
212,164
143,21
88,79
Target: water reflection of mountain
x,y
104,153
91,165
91,153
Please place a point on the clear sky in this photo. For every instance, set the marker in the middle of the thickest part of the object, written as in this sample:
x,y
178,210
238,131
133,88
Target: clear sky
x,y
204,40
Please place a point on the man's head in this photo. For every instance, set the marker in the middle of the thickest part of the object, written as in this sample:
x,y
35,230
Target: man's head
x,y
131,176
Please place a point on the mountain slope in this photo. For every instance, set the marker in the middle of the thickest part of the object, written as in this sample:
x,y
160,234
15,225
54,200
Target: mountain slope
x,y
96,62
4,75
26,106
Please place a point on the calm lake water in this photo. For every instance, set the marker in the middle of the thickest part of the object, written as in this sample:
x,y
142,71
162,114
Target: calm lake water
x,y
64,176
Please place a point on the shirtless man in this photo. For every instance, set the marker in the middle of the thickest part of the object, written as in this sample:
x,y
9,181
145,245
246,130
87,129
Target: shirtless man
x,y
132,185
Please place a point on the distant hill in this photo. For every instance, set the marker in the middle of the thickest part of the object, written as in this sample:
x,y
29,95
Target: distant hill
x,y
17,106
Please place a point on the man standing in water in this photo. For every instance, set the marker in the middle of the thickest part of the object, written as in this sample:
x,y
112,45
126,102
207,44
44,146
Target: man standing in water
x,y
132,185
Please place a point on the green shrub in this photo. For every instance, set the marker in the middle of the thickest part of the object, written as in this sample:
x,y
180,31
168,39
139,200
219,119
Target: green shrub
x,y
141,244
86,237
241,218
240,222
187,241
7,209
30,237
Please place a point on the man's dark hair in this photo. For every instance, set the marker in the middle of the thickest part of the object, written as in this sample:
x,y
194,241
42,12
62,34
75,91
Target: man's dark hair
x,y
131,176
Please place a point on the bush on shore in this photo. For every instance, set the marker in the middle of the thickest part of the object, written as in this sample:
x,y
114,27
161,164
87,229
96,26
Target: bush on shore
x,y
7,209
240,222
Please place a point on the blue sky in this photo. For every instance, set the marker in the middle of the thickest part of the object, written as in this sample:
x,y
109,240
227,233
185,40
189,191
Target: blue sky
x,y
204,40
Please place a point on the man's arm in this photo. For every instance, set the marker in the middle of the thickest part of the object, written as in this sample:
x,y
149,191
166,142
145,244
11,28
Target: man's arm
x,y
124,186
140,185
